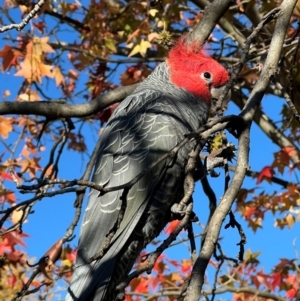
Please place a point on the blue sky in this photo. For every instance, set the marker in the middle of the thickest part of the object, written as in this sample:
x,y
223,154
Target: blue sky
x,y
53,215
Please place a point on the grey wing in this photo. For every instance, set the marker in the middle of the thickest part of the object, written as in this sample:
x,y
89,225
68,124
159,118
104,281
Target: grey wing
x,y
136,136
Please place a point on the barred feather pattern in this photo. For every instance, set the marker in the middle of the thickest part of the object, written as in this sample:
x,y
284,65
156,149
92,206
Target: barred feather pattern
x,y
146,125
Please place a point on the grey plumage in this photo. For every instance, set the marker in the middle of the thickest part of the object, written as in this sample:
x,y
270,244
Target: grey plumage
x,y
146,125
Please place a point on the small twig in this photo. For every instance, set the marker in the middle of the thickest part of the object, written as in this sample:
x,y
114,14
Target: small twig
x,y
78,202
61,140
25,21
222,259
288,100
191,238
64,140
19,295
265,20
233,223
189,182
292,65
26,203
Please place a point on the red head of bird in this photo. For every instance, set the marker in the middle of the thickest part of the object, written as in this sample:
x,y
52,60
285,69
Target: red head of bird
x,y
195,72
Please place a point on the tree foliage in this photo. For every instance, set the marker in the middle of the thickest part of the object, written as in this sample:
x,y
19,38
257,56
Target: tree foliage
x,y
70,63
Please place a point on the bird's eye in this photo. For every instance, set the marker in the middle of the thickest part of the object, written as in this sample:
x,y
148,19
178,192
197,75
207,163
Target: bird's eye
x,y
207,75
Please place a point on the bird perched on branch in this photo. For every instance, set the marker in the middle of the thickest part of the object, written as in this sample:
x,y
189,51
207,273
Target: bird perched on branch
x,y
172,102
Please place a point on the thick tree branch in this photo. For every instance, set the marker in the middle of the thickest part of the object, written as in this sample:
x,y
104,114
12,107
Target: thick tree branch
x,y
197,277
227,26
211,16
58,109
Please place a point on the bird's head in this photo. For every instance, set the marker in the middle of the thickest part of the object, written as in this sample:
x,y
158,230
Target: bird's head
x,y
195,72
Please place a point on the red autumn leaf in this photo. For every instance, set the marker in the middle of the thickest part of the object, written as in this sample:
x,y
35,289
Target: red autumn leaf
x,y
266,172
186,265
12,279
6,176
10,57
72,256
255,281
276,280
15,256
284,263
175,263
40,26
155,281
249,211
142,285
10,197
263,278
291,293
291,279
15,238
4,246
159,266
171,226
290,150
105,114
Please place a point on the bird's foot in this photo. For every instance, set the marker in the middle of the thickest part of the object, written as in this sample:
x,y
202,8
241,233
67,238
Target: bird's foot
x,y
178,213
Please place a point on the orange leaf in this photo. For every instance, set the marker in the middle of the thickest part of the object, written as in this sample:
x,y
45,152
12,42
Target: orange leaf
x,y
176,277
249,211
18,214
33,70
290,219
186,265
290,150
59,78
29,96
6,126
6,93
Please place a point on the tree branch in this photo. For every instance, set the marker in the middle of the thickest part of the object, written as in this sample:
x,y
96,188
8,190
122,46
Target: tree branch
x,y
271,63
211,15
57,109
213,230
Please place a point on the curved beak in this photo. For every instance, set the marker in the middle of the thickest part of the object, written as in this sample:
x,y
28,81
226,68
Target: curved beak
x,y
216,93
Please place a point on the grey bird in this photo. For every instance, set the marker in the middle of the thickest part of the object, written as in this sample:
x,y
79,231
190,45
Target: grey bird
x,y
172,102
